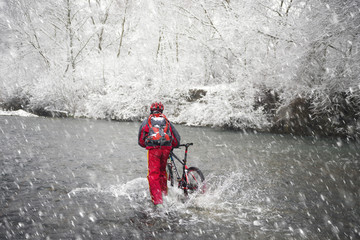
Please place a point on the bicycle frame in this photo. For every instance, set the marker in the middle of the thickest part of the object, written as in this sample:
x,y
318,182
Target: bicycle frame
x,y
183,179
192,178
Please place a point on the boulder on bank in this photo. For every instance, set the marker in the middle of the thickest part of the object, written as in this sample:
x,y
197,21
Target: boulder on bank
x,y
46,112
299,118
294,118
195,94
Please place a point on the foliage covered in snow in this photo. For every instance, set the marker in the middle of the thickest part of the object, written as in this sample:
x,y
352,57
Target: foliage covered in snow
x,y
112,58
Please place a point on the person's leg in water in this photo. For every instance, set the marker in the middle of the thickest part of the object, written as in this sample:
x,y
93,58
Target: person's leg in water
x,y
163,175
154,159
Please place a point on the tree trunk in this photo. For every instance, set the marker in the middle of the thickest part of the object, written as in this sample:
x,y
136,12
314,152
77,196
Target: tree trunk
x,y
71,59
122,30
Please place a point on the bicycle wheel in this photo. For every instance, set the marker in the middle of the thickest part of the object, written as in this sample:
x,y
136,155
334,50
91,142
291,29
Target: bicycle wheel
x,y
195,181
170,174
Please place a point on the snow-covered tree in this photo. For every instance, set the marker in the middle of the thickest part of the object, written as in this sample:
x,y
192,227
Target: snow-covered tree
x,y
110,58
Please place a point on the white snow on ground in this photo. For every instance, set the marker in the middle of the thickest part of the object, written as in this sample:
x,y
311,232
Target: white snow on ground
x,y
20,112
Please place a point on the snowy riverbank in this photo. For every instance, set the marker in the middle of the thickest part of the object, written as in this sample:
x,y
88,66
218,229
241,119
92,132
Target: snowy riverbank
x,y
19,112
221,106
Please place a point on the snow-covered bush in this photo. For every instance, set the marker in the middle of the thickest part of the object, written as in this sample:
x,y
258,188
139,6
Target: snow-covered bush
x,y
111,59
224,106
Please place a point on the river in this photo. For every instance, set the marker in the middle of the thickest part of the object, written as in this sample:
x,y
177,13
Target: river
x,y
86,179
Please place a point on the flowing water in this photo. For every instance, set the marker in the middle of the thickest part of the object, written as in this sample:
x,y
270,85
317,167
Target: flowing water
x,y
86,179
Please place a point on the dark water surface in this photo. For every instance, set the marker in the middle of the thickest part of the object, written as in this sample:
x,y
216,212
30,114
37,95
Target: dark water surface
x,y
86,179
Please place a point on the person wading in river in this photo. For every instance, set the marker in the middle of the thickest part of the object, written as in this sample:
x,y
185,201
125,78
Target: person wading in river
x,y
158,136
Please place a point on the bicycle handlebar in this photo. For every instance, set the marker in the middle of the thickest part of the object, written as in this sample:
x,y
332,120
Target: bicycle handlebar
x,y
186,145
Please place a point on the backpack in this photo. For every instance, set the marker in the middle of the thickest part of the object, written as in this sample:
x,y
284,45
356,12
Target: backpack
x,y
159,131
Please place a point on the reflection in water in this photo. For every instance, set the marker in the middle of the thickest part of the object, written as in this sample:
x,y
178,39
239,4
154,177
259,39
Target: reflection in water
x,y
85,179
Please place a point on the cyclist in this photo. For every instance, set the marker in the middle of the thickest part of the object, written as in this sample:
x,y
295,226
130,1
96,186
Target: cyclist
x,y
158,136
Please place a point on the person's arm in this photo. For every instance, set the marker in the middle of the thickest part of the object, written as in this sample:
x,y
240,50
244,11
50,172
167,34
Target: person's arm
x,y
175,135
142,134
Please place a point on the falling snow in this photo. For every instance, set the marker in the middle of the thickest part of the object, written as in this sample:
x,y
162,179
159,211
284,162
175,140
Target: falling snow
x,y
278,82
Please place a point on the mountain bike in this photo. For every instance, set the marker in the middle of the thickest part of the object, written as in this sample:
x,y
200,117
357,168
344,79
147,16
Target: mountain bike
x,y
191,180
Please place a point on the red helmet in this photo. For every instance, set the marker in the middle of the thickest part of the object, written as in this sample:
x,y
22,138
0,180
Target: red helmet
x,y
157,107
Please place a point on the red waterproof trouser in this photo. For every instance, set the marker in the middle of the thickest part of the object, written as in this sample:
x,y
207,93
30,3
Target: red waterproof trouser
x,y
157,159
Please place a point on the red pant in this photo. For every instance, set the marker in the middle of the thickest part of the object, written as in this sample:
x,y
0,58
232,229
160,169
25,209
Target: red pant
x,y
157,159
